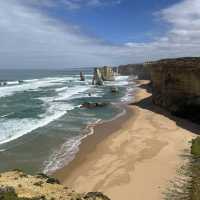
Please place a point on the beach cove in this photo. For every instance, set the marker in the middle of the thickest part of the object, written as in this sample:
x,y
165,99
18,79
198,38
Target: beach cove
x,y
136,155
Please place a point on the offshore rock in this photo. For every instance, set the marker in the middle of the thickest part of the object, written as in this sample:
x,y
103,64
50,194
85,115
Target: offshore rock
x,y
20,81
107,73
82,77
176,86
103,74
114,89
97,77
93,105
3,83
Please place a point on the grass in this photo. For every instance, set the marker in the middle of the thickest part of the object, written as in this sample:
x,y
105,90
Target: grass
x,y
187,184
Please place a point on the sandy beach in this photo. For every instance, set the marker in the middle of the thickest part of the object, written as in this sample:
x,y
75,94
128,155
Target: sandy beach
x,y
133,157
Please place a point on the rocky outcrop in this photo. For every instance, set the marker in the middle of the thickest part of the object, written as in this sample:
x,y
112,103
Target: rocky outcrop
x,y
3,83
91,105
16,185
176,86
107,73
138,70
82,77
97,79
114,89
103,74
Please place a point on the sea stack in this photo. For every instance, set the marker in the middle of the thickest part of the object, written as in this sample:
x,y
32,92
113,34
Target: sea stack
x,y
82,77
103,74
97,78
107,73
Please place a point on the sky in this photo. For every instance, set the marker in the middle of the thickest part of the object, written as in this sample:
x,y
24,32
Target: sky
x,y
57,34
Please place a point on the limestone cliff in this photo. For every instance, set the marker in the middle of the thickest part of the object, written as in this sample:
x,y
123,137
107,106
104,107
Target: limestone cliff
x,y
16,185
176,85
136,70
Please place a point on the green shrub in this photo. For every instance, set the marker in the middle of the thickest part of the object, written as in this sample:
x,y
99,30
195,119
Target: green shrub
x,y
195,149
43,176
52,180
8,193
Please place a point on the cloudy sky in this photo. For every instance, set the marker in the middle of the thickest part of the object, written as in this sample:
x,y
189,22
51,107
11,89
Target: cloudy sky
x,y
87,33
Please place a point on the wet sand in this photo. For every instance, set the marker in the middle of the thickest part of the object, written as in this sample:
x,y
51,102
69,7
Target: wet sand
x,y
134,156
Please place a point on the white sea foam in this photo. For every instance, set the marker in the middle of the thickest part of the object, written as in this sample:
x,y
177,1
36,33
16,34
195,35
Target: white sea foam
x,y
30,85
12,82
128,97
66,152
12,129
70,92
2,150
6,115
119,81
57,106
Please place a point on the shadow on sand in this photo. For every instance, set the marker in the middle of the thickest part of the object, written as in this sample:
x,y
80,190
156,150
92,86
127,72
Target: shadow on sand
x,y
148,105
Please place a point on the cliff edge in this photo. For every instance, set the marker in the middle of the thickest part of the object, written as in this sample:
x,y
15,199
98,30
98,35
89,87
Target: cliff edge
x,y
176,85
17,185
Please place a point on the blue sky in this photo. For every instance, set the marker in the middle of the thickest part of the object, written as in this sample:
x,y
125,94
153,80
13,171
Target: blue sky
x,y
117,21
88,33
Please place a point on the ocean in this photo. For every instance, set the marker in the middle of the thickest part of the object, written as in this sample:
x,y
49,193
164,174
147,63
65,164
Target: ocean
x,y
42,122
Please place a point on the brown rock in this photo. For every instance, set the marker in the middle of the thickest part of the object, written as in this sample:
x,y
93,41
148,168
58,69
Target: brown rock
x,y
138,70
176,85
82,77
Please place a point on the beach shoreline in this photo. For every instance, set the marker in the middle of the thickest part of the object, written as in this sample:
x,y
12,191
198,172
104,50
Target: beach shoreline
x,y
98,133
127,156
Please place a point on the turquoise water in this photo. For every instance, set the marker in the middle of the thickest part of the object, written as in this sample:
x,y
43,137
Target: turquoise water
x,y
41,121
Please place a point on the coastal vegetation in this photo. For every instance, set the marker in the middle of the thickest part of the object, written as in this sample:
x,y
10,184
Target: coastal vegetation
x,y
187,184
17,185
195,149
195,169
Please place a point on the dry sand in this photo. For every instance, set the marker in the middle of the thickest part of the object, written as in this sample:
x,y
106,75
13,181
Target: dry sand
x,y
139,158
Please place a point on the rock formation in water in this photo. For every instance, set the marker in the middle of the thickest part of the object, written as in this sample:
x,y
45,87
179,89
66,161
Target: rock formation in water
x,y
103,74
91,105
3,83
82,77
138,70
16,185
176,86
107,73
97,79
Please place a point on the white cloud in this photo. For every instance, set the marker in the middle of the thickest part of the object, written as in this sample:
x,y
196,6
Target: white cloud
x,y
29,38
71,4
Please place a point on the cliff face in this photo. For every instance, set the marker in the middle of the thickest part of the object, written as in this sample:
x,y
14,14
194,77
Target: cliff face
x,y
176,86
135,69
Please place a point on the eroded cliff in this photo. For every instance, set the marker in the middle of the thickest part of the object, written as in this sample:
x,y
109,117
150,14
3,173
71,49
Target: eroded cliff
x,y
176,85
136,70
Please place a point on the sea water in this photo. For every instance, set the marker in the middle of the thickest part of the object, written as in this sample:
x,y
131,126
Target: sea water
x,y
42,122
